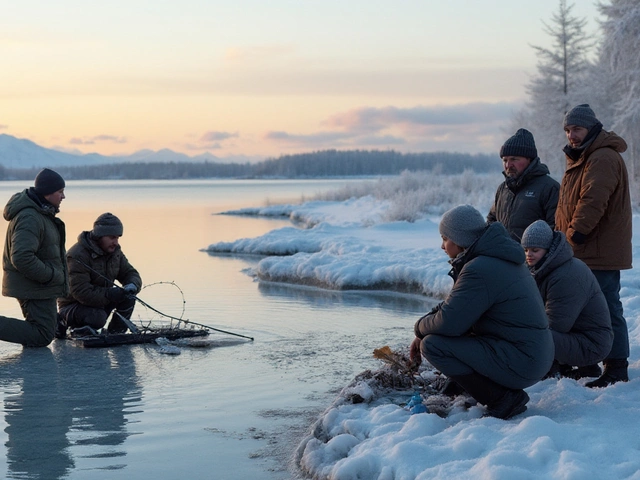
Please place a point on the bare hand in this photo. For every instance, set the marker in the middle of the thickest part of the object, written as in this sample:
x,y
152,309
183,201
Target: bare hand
x,y
414,352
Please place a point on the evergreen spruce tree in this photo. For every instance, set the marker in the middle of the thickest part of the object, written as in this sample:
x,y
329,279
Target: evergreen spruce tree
x,y
618,74
558,86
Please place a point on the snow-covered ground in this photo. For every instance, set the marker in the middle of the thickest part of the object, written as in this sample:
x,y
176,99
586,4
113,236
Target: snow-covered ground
x,y
568,431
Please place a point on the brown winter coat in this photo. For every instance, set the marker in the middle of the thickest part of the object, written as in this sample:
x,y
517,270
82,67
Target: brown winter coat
x,y
594,200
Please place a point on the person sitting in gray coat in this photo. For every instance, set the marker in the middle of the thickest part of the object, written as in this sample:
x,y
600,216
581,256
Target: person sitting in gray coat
x,y
491,334
577,309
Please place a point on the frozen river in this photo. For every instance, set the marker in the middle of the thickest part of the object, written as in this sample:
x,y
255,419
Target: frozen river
x,y
232,412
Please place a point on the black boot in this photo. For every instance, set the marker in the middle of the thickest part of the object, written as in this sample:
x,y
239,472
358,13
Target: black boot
x,y
614,371
501,402
558,370
452,388
61,327
586,371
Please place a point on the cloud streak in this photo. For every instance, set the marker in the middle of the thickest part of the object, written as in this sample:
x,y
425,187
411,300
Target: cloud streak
x,y
97,139
216,136
471,127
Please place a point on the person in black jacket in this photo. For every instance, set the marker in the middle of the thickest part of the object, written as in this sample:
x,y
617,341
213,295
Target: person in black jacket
x,y
491,334
528,193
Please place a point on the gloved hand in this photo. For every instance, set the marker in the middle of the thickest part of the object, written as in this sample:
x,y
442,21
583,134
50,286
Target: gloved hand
x,y
116,294
578,238
130,288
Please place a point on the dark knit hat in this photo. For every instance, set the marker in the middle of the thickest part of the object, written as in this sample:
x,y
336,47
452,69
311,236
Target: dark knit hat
x,y
107,224
581,116
537,235
520,145
463,225
48,182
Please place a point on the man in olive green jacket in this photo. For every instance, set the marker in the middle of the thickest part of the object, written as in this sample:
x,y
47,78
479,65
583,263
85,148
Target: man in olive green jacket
x,y
33,262
594,212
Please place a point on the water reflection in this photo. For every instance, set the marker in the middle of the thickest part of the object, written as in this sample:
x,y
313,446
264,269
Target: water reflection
x,y
320,298
67,406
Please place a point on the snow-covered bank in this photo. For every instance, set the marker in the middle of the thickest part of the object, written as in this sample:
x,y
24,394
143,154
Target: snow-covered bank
x,y
568,431
347,246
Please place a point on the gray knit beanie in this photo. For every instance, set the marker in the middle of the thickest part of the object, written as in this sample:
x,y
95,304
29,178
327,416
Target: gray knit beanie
x,y
581,116
537,235
463,225
107,224
520,145
47,182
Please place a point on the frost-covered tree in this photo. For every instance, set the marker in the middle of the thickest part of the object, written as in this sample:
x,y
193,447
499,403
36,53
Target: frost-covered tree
x,y
619,72
558,85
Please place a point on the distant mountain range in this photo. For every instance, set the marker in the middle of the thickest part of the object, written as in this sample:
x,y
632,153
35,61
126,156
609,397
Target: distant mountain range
x,y
23,153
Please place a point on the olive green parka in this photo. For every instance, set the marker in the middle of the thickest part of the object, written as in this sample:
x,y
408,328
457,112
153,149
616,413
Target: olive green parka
x,y
33,261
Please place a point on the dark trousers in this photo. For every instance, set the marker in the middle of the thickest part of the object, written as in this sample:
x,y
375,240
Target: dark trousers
x,y
36,330
609,281
78,315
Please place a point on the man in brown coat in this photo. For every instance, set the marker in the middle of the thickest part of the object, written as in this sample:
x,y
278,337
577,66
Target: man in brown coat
x,y
594,212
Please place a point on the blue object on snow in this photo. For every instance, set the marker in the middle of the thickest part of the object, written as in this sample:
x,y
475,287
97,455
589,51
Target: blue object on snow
x,y
415,400
419,408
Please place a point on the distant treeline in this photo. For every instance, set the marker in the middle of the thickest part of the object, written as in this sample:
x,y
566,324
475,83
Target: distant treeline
x,y
326,163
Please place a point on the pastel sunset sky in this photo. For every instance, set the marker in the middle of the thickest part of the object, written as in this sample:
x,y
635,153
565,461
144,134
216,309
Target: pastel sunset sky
x,y
268,77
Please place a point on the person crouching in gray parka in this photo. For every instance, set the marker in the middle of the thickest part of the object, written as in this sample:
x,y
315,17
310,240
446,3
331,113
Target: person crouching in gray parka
x,y
491,334
577,309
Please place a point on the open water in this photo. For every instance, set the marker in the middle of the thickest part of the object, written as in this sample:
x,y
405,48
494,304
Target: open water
x,y
232,412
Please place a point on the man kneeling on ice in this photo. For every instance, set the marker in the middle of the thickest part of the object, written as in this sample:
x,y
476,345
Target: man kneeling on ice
x,y
491,334
95,262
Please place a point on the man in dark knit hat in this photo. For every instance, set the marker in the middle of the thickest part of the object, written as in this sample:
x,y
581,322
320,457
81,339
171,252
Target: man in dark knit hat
x,y
33,262
528,193
594,213
95,263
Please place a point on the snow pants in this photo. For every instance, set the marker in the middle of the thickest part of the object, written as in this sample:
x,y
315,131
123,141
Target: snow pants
x,y
459,356
38,326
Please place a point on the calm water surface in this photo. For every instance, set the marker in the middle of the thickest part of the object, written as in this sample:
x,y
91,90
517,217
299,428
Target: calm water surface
x,y
234,412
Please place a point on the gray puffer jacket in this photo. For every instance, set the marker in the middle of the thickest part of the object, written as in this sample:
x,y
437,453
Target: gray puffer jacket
x,y
495,299
577,310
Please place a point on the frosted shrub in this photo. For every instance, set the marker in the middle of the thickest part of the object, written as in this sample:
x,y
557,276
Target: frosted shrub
x,y
414,195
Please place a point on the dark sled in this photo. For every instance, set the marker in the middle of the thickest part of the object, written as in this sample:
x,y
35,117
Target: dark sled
x,y
145,336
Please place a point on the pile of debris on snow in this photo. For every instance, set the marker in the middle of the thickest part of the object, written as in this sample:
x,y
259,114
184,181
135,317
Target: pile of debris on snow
x,y
397,381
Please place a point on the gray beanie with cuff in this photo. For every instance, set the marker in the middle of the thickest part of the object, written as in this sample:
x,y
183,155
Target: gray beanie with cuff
x,y
537,235
581,116
107,224
463,225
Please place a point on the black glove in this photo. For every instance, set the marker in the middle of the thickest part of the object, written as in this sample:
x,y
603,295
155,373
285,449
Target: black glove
x,y
578,238
116,294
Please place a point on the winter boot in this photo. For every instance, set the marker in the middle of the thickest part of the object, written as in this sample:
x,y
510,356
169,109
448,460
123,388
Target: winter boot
x,y
586,371
501,402
558,370
615,370
61,327
451,388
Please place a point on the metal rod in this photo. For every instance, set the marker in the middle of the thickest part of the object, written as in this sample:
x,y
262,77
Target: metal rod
x,y
142,302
